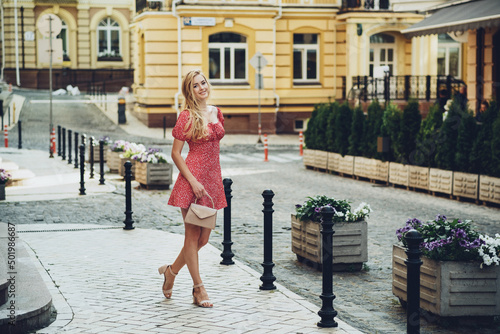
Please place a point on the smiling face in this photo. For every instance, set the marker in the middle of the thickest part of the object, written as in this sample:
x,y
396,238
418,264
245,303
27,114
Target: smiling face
x,y
201,90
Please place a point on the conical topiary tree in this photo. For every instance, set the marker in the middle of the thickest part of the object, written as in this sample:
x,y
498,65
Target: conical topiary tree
x,y
410,126
310,133
391,123
371,129
495,147
445,152
356,136
427,139
481,160
465,141
330,131
343,128
322,125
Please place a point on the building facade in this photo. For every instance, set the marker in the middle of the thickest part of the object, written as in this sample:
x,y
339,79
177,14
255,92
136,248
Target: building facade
x,y
313,51
94,40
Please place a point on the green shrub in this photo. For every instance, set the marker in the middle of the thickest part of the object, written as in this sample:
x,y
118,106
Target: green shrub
x,y
310,133
330,131
495,148
410,126
391,123
445,153
356,137
343,122
427,139
371,130
465,141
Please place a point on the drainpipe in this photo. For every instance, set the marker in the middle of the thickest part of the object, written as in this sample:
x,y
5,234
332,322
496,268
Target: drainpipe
x,y
276,18
18,79
3,40
179,55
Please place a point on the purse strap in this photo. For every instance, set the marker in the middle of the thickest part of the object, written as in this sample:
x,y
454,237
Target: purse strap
x,y
213,205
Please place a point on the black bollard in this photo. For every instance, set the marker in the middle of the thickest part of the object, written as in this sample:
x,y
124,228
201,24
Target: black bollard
x,y
76,149
70,135
91,157
128,197
58,140
19,135
64,143
327,312
82,169
227,254
268,278
101,160
413,263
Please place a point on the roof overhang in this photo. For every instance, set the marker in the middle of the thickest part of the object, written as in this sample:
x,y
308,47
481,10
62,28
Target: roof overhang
x,y
461,17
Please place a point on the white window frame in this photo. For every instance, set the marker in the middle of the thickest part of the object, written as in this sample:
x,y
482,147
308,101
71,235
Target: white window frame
x,y
303,48
447,47
232,46
108,28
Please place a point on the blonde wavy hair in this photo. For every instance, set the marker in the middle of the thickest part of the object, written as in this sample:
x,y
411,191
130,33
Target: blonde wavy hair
x,y
196,128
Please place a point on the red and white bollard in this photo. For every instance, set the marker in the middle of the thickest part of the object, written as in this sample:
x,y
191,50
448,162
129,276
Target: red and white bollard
x,y
52,142
10,88
265,148
301,143
6,136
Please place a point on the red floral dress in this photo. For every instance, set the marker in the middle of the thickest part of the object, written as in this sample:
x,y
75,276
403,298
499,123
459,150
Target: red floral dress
x,y
203,162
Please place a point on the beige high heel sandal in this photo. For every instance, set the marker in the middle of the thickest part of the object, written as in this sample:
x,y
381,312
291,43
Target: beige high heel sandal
x,y
162,270
202,302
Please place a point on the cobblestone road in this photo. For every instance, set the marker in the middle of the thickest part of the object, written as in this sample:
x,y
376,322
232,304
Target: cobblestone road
x,y
364,299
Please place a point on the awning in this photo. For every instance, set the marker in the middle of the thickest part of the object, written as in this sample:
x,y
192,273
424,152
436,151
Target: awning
x,y
460,17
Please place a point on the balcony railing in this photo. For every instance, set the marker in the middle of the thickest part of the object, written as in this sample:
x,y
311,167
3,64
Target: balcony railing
x,y
402,87
365,4
151,5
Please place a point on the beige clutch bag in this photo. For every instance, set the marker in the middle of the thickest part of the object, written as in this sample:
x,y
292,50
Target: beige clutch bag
x,y
201,215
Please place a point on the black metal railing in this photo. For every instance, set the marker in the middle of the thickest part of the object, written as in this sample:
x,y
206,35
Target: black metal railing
x,y
402,87
147,5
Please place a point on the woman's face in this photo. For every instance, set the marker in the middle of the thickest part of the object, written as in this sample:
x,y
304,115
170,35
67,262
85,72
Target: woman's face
x,y
200,88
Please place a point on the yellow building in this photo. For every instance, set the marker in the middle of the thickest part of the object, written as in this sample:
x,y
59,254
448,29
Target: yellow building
x,y
313,49
94,40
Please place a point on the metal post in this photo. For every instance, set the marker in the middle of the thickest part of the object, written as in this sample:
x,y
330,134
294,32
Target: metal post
x,y
19,135
268,278
128,197
64,143
327,312
91,157
70,135
101,160
413,263
59,140
227,254
164,126
76,149
82,169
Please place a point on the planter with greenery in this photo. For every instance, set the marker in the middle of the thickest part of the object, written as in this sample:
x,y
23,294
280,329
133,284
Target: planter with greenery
x,y
418,177
399,174
4,179
460,271
350,245
346,165
465,185
97,155
489,189
440,181
333,162
153,169
113,159
132,150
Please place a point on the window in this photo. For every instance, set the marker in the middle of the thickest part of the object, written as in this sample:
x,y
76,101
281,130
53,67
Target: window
x,y
448,56
381,53
108,36
227,53
377,4
305,58
64,36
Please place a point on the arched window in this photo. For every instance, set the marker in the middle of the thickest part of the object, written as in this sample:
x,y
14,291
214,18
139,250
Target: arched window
x,y
64,36
382,53
227,57
448,56
109,40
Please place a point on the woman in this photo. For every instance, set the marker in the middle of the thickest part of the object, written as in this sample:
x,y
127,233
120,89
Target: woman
x,y
202,127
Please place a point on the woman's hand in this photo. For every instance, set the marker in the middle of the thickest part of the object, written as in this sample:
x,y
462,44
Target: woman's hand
x,y
198,189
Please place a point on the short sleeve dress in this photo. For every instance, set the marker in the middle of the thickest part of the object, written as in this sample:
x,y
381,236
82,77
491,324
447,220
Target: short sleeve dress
x,y
203,162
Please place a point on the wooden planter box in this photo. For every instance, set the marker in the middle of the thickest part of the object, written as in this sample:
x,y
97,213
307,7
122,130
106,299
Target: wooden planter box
x,y
465,185
419,177
441,181
121,169
333,162
320,159
399,174
157,175
113,161
350,243
450,288
381,171
308,157
489,189
346,164
364,167
96,154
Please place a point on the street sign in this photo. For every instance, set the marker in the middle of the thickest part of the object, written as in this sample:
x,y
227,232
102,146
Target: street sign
x,y
199,21
44,51
258,61
49,22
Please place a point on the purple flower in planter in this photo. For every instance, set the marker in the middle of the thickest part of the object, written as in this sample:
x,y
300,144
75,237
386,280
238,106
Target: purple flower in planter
x,y
298,206
440,218
317,209
459,233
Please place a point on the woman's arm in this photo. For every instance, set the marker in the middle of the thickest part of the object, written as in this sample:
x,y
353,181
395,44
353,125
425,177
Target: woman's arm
x,y
198,189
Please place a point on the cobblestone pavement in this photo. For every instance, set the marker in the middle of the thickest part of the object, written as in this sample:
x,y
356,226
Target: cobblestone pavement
x,y
364,299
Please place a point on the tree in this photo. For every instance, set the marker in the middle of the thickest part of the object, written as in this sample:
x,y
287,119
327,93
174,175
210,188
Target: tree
x,y
343,122
321,126
391,123
330,131
310,133
481,159
356,136
445,153
465,142
410,126
427,139
371,129
495,148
